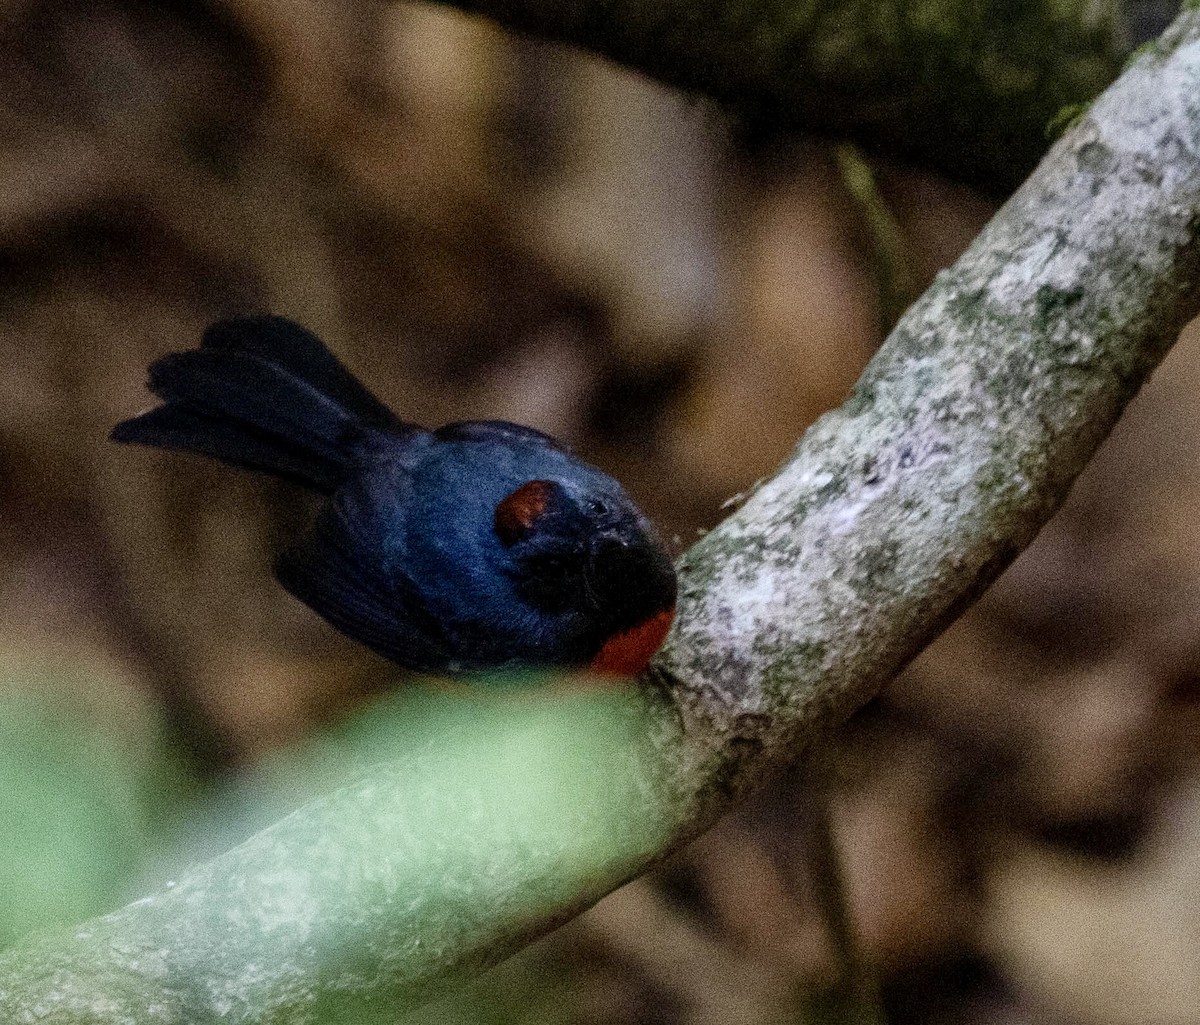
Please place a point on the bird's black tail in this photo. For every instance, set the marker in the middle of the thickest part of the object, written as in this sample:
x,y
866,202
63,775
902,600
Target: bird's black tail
x,y
265,394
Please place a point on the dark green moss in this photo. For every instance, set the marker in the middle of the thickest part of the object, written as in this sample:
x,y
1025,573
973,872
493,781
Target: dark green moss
x,y
1011,374
717,551
1050,303
995,477
1096,158
910,344
875,567
968,306
1153,49
831,490
946,407
861,399
1066,118
783,664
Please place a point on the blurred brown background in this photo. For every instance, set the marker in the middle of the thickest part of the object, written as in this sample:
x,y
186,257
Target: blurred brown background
x,y
487,226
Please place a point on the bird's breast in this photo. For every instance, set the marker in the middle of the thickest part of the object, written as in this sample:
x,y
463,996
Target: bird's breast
x,y
628,653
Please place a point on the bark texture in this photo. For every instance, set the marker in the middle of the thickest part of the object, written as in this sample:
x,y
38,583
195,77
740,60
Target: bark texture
x,y
515,812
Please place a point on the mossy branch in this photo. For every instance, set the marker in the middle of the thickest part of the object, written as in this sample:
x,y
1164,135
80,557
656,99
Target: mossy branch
x,y
512,813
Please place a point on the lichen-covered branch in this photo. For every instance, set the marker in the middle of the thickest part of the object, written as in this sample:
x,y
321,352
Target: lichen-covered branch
x,y
511,813
965,431
965,87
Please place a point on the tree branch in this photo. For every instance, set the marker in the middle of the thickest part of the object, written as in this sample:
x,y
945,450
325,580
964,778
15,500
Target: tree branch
x,y
963,87
469,834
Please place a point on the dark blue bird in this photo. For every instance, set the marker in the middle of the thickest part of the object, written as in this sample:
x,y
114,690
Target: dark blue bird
x,y
479,545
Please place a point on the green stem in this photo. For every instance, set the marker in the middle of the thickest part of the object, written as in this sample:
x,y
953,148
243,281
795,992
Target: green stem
x,y
855,999
893,276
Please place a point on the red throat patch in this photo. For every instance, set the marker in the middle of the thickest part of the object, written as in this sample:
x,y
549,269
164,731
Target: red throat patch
x,y
628,653
517,513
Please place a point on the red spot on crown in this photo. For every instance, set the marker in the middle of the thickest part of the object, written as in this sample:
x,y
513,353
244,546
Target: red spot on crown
x,y
517,513
628,653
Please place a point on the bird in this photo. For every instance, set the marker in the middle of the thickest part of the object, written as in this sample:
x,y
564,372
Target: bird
x,y
480,545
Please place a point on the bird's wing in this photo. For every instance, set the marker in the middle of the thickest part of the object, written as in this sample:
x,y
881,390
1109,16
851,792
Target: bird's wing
x,y
495,430
388,614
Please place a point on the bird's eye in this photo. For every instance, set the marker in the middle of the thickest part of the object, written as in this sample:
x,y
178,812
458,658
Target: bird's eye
x,y
518,513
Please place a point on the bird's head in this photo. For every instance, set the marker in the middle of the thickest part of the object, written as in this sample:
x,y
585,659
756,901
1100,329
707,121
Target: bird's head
x,y
595,555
